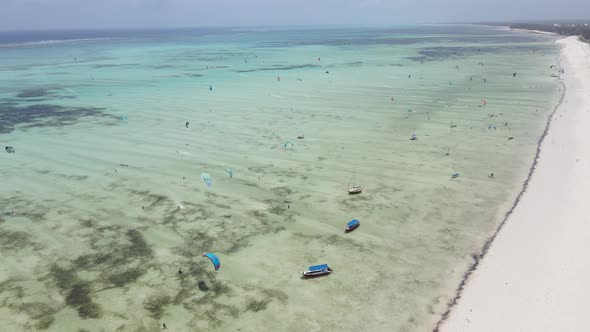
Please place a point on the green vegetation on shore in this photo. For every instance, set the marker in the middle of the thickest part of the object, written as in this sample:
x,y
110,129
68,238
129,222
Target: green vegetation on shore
x,y
566,28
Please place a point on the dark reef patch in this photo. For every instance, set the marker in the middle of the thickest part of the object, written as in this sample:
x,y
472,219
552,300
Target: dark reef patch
x,y
61,175
111,65
23,208
138,247
445,52
116,258
435,53
125,261
260,303
335,240
13,298
79,297
260,169
150,199
113,263
356,202
276,67
119,263
160,66
185,75
43,115
353,64
15,240
276,294
120,279
155,305
62,277
37,92
282,191
34,215
42,313
78,292
77,177
255,305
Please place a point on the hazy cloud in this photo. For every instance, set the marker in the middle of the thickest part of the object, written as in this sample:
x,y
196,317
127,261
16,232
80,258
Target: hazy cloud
x,y
42,14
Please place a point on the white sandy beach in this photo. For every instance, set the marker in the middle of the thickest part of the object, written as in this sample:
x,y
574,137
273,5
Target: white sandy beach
x,y
536,272
534,31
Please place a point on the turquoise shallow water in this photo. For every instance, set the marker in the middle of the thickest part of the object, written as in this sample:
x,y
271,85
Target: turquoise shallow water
x,y
99,212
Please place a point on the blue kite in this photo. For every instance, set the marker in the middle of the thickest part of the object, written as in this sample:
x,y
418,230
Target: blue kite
x,y
214,259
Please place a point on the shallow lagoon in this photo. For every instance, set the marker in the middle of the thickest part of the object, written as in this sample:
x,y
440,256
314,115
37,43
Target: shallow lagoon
x,y
98,213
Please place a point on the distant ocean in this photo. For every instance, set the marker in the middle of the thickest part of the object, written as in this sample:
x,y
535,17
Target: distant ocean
x,y
114,132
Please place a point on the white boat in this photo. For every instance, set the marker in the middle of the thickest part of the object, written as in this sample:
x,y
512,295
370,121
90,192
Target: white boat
x,y
354,189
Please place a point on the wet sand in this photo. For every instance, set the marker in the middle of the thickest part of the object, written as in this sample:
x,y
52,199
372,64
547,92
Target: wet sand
x,y
535,275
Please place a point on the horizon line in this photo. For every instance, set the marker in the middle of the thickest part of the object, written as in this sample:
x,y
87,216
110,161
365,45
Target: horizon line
x,y
296,25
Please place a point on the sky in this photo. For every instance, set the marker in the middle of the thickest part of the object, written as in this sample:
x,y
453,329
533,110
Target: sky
x,y
104,14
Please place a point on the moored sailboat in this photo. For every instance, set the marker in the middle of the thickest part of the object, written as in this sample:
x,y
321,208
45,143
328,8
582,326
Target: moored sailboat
x,y
355,189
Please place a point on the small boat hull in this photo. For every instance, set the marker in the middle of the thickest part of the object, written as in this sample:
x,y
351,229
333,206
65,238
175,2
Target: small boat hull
x,y
352,225
351,228
314,274
355,190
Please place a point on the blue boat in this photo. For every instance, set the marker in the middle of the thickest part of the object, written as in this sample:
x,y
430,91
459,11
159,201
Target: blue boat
x,y
317,270
352,225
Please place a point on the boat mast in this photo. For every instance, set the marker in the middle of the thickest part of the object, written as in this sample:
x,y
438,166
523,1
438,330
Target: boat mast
x,y
352,179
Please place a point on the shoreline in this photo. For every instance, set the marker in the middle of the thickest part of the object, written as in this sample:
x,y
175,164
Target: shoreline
x,y
509,28
487,244
533,31
476,292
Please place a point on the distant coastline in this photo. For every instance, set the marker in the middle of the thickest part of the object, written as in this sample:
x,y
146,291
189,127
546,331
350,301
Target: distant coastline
x,y
564,28
477,258
530,277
